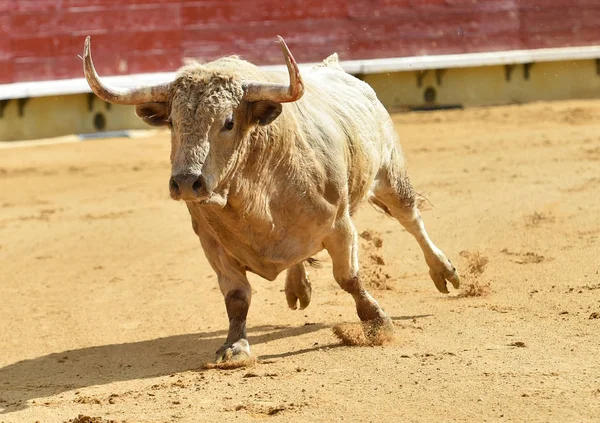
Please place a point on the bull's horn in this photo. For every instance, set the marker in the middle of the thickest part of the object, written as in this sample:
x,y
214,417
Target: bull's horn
x,y
147,94
279,93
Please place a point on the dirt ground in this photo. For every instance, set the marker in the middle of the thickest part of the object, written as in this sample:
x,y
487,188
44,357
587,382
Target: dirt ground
x,y
109,309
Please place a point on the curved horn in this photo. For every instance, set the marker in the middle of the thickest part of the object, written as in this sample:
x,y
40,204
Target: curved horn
x,y
132,96
279,93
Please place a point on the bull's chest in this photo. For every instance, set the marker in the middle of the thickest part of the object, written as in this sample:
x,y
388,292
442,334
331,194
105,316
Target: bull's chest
x,y
260,244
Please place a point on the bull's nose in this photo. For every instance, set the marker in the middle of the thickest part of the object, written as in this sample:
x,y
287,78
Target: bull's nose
x,y
186,186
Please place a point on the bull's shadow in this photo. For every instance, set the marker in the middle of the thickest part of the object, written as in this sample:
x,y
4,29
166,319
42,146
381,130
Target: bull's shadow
x,y
69,370
55,373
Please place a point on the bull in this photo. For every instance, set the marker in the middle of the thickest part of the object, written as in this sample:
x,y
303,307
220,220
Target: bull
x,y
271,172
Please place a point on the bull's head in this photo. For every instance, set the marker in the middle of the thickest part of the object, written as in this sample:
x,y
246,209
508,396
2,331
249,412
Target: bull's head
x,y
210,112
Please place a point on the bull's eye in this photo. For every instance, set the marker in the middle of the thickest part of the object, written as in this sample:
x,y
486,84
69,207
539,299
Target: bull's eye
x,y
228,126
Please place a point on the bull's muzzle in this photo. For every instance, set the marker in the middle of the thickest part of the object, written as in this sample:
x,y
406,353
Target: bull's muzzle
x,y
187,187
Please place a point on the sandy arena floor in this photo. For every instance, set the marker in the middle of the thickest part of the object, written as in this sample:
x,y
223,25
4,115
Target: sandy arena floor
x,y
109,309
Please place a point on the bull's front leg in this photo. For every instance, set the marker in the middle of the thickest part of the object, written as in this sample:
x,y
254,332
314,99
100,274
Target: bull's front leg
x,y
235,288
237,293
342,246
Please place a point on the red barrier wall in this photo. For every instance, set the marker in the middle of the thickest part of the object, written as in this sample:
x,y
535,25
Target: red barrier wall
x,y
40,40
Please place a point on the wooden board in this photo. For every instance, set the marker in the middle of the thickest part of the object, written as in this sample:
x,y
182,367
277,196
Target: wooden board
x,y
40,40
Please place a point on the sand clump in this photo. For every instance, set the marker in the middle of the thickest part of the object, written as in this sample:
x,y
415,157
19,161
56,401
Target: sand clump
x,y
353,334
230,365
472,284
82,418
374,275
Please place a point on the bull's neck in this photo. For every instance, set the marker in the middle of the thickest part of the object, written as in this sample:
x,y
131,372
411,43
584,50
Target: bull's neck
x,y
268,160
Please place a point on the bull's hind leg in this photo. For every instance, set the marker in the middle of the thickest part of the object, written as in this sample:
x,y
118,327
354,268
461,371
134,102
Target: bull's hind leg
x,y
395,195
342,246
297,287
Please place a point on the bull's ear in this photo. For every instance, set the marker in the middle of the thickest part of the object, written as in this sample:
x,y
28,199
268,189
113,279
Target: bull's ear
x,y
265,112
154,114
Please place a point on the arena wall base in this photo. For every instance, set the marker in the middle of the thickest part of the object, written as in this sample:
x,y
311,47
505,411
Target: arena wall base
x,y
56,108
46,117
487,85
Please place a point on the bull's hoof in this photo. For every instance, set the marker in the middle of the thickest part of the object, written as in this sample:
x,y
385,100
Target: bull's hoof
x,y
442,272
230,353
298,291
380,330
441,277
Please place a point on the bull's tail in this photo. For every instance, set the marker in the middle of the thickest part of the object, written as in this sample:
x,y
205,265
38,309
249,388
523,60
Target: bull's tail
x,y
313,262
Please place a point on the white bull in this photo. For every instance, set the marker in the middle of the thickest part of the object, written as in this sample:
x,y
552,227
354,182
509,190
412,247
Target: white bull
x,y
269,185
